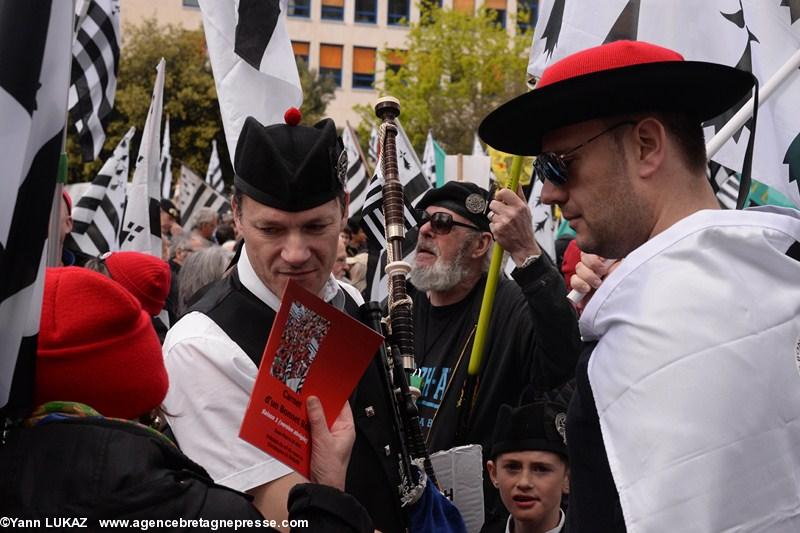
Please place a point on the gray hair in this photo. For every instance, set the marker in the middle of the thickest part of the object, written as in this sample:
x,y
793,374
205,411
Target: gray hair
x,y
201,268
179,243
203,215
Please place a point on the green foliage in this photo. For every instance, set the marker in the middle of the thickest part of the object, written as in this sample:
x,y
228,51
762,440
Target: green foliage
x,y
317,93
457,67
190,99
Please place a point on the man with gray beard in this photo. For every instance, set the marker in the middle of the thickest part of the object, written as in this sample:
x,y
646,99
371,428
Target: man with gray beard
x,y
533,341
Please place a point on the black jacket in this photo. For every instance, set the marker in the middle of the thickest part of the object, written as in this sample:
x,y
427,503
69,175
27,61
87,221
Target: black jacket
x,y
99,468
533,346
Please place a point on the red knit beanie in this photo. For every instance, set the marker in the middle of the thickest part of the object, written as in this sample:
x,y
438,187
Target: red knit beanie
x,y
145,276
97,346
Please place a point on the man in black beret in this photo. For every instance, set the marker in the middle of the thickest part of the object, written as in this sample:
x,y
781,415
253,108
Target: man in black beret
x,y
533,336
289,205
169,219
529,467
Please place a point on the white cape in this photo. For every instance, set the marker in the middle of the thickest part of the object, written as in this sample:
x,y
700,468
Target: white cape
x,y
695,375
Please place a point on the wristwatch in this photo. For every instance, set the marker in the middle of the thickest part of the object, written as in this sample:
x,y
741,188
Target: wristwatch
x,y
531,259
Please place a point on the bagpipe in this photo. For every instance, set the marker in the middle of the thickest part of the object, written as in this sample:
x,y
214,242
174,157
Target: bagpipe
x,y
426,507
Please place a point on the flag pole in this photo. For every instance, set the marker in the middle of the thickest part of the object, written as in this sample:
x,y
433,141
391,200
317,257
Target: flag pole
x,y
476,356
744,114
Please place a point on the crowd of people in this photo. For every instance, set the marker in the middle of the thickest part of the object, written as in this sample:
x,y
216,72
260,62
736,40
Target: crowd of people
x,y
669,398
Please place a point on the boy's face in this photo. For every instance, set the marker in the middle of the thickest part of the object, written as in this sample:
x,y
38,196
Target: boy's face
x,y
531,484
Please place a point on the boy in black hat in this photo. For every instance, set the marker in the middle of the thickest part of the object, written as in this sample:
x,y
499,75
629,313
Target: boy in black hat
x,y
289,205
533,335
529,467
678,386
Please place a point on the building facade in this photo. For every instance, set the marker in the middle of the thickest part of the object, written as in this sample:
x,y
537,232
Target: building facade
x,y
340,38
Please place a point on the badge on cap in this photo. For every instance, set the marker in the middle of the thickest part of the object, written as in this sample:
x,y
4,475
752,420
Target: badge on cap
x,y
475,203
341,167
561,426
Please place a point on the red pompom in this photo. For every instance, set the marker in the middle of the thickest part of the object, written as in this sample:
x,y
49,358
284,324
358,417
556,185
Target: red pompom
x,y
292,116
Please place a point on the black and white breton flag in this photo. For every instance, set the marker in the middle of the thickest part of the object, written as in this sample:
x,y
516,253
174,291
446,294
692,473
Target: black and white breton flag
x,y
429,160
141,226
725,183
373,145
95,62
373,222
214,172
97,215
195,193
357,178
34,79
166,164
254,68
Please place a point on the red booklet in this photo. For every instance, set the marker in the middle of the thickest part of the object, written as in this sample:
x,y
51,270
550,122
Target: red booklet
x,y
313,350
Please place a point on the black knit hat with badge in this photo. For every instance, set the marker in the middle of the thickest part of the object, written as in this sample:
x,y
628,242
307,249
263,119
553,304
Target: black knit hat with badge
x,y
538,426
465,198
290,167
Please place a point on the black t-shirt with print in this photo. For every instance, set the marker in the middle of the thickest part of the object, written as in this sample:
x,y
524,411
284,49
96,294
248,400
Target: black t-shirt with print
x,y
440,337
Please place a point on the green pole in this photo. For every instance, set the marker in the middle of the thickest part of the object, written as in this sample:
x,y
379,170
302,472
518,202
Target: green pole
x,y
476,357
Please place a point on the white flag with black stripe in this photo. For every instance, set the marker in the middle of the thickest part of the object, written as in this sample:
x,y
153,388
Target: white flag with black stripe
x,y
726,184
195,193
214,172
373,145
95,62
166,164
254,68
35,39
97,215
357,178
141,227
429,160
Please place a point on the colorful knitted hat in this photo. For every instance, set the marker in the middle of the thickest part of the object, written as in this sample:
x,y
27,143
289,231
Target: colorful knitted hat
x,y
97,346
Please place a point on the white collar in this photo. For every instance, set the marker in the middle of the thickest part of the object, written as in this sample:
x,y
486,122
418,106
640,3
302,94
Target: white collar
x,y
554,530
331,292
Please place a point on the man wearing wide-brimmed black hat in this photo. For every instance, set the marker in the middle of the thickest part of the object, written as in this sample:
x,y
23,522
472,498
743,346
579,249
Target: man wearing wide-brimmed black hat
x,y
289,205
686,415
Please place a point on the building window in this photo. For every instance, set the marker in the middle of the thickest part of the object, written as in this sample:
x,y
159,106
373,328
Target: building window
x,y
300,50
333,9
330,62
498,7
398,13
363,67
366,11
528,13
299,8
465,6
191,3
394,60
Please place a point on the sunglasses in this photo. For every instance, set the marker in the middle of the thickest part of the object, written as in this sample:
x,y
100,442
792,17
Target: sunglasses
x,y
553,167
441,223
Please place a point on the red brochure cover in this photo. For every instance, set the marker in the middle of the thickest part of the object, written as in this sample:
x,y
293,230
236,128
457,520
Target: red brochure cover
x,y
313,350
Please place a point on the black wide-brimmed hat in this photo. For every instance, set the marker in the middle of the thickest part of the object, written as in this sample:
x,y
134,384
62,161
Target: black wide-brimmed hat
x,y
462,197
612,79
290,167
537,426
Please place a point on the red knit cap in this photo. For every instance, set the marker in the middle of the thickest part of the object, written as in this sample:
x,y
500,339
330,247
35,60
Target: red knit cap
x,y
97,346
145,276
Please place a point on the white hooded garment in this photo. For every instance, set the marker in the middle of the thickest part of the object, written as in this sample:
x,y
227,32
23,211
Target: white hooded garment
x,y
696,375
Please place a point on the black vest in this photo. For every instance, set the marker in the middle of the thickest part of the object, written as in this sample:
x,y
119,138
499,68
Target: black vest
x,y
372,476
